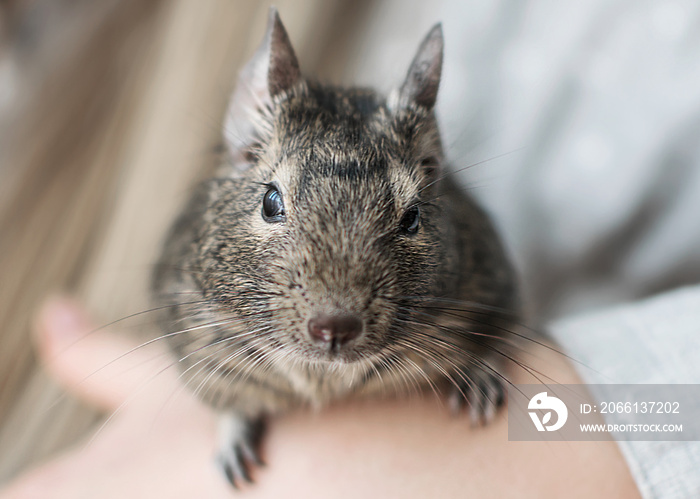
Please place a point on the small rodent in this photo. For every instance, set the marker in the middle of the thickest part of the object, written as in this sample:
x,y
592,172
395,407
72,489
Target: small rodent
x,y
331,257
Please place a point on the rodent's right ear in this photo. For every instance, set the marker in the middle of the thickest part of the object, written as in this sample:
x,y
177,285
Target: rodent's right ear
x,y
272,71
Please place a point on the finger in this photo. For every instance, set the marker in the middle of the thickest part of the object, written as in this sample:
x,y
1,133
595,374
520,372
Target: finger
x,y
103,368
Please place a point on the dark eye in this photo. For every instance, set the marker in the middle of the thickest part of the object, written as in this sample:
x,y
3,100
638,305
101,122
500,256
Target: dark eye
x,y
272,206
411,220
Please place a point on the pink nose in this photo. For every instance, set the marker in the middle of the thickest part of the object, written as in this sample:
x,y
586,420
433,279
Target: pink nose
x,y
336,330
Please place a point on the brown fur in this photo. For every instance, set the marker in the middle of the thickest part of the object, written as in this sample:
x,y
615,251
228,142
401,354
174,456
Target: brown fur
x,y
346,175
240,291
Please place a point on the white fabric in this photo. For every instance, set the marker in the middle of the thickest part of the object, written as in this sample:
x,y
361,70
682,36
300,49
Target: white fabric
x,y
598,104
654,341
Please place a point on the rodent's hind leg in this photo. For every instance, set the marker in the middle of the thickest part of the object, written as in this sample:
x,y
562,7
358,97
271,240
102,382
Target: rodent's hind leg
x,y
239,447
480,391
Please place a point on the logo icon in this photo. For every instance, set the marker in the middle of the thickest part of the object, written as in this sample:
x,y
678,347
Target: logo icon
x,y
543,402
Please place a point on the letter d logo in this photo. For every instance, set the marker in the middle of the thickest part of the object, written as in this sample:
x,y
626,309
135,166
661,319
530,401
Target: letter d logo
x,y
542,402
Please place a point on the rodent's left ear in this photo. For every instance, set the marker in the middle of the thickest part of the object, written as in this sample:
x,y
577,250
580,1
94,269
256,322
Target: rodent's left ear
x,y
272,70
423,79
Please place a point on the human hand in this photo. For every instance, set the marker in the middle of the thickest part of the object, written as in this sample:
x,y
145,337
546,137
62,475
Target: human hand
x,y
161,441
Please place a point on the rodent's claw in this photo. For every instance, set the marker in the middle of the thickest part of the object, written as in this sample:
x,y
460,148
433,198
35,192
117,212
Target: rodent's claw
x,y
481,392
239,449
235,469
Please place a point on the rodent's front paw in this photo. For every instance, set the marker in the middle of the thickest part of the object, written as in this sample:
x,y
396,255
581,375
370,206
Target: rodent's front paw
x,y
239,447
480,392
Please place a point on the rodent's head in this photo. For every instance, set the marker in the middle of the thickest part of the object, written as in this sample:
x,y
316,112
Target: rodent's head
x,y
326,216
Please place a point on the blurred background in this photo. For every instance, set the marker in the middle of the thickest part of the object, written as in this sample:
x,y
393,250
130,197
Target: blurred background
x,y
579,122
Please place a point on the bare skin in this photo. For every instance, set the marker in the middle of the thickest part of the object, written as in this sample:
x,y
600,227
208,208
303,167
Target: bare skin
x,y
161,441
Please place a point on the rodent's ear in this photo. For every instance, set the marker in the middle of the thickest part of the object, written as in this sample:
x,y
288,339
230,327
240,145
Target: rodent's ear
x,y
273,69
423,78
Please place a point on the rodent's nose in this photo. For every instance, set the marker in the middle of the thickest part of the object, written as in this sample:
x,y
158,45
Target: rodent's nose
x,y
335,330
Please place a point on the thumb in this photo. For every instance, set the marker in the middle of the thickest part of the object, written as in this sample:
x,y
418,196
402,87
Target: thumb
x,y
102,368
